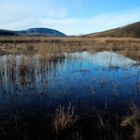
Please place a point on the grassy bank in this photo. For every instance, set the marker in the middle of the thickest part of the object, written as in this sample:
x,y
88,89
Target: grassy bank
x,y
32,45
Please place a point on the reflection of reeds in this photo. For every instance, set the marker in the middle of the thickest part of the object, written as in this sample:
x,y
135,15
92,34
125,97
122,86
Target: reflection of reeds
x,y
11,64
64,118
23,70
1,72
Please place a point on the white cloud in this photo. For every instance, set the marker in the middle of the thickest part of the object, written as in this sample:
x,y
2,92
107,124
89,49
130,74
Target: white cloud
x,y
75,26
57,13
13,11
22,16
21,24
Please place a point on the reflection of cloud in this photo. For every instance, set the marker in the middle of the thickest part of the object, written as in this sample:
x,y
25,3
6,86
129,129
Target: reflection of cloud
x,y
107,59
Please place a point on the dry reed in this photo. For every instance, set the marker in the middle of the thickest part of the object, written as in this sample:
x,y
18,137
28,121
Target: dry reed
x,y
63,118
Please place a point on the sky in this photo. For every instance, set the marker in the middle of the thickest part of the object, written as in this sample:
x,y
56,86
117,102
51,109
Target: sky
x,y
72,17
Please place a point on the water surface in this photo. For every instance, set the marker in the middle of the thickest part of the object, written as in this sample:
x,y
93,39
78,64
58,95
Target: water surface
x,y
103,80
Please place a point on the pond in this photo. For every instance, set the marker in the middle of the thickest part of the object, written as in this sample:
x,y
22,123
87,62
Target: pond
x,y
33,87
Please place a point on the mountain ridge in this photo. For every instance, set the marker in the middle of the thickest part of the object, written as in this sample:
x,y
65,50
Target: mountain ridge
x,y
33,32
130,30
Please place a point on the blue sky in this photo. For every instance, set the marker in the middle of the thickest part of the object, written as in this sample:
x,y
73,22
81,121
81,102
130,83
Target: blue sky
x,y
72,17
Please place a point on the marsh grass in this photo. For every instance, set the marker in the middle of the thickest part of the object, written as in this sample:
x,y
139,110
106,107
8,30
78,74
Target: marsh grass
x,y
107,131
64,118
133,121
51,50
53,47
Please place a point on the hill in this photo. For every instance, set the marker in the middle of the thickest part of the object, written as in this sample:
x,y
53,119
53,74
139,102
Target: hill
x,y
33,32
131,30
6,32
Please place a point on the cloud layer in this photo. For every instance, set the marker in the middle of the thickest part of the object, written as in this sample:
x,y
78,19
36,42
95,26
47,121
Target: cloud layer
x,y
15,15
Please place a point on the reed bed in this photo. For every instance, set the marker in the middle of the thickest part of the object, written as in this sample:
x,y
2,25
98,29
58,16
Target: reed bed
x,y
57,46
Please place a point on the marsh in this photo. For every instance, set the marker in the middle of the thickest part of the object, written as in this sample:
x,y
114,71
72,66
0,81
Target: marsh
x,y
31,89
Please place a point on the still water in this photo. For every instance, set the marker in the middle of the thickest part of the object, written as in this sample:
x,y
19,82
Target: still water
x,y
103,80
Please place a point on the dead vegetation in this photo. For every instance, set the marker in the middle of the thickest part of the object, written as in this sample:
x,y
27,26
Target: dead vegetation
x,y
63,118
57,46
133,121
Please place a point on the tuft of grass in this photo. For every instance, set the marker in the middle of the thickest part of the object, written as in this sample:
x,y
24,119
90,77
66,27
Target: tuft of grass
x,y
107,131
133,121
63,118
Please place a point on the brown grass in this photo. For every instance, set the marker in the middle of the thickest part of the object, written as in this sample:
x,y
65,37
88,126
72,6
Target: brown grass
x,y
107,131
63,118
55,46
134,122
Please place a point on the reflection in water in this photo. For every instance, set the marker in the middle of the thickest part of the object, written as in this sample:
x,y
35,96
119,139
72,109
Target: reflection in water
x,y
103,80
111,59
19,73
106,59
